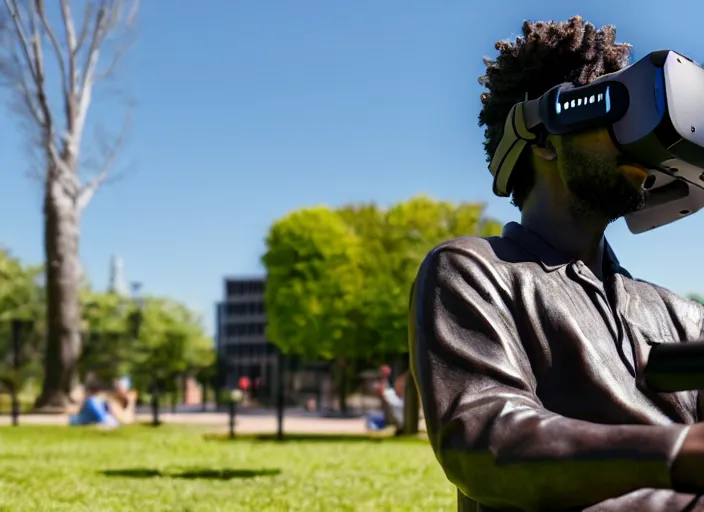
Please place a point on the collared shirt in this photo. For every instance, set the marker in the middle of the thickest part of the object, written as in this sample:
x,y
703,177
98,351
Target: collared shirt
x,y
530,371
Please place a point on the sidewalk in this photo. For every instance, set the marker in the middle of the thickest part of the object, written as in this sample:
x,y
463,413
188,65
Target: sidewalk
x,y
260,424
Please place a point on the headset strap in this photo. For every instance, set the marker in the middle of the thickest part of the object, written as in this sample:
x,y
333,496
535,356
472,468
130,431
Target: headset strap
x,y
519,131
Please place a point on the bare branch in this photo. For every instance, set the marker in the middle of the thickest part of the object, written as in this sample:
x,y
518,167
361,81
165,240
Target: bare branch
x,y
21,82
77,59
110,68
111,152
72,48
30,46
87,15
14,11
39,77
126,45
39,4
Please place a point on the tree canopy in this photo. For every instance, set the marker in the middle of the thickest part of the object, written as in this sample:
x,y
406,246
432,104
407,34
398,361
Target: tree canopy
x,y
171,339
339,280
313,283
21,298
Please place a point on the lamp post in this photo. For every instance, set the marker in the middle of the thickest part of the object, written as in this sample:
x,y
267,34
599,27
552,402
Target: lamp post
x,y
136,318
236,396
280,394
16,329
137,314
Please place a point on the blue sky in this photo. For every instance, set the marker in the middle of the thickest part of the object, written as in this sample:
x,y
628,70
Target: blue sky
x,y
248,110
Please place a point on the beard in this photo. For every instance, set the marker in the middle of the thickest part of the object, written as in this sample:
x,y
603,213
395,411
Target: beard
x,y
598,191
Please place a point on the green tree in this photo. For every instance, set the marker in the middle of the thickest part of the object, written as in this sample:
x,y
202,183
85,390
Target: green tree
x,y
339,281
108,339
21,298
172,343
312,279
395,242
313,287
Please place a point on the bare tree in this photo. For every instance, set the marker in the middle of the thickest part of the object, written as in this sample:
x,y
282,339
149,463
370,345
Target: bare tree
x,y
51,61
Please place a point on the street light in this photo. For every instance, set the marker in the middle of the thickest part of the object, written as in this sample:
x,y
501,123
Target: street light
x,y
280,394
136,318
138,313
16,329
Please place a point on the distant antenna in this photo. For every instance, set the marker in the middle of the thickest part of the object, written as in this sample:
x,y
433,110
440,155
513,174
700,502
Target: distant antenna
x,y
136,289
117,283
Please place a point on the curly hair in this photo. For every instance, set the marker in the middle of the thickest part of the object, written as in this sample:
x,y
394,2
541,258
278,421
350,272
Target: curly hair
x,y
549,53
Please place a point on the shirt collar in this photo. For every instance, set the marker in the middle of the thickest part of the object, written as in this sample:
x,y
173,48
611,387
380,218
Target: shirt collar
x,y
549,257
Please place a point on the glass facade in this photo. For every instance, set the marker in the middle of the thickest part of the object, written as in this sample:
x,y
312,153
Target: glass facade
x,y
244,350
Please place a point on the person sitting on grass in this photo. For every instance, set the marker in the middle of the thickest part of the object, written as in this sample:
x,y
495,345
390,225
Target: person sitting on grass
x,y
391,404
108,408
122,402
94,411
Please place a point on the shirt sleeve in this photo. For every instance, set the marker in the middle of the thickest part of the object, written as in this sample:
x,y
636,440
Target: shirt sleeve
x,y
491,434
392,398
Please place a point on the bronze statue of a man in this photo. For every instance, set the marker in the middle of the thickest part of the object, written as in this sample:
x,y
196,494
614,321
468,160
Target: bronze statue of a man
x,y
528,348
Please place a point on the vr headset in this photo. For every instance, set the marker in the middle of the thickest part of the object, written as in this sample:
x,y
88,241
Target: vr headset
x,y
654,111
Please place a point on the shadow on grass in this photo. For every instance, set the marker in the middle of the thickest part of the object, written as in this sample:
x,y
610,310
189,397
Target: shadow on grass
x,y
317,438
192,474
149,424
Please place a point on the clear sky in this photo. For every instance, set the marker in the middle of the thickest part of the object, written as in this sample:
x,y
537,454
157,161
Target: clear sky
x,y
250,109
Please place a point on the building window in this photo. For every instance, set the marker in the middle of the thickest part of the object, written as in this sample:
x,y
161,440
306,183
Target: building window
x,y
248,350
246,308
236,309
234,288
233,330
244,288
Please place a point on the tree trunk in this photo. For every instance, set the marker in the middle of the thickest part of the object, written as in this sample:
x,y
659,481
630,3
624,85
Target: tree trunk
x,y
63,343
411,406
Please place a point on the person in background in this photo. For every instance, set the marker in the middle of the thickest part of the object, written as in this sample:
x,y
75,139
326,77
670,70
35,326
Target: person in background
x,y
106,408
122,401
391,402
94,411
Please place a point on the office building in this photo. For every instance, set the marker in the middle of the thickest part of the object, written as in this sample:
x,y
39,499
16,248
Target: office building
x,y
243,348
245,351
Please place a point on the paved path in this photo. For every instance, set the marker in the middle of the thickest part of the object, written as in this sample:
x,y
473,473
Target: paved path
x,y
260,424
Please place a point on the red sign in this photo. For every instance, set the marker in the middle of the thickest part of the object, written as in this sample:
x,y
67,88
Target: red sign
x,y
245,383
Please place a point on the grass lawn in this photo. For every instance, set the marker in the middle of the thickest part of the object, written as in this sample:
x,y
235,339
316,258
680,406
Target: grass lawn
x,y
179,469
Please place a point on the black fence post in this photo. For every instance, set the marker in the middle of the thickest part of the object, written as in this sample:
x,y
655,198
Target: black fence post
x,y
319,389
280,396
233,413
155,404
16,329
